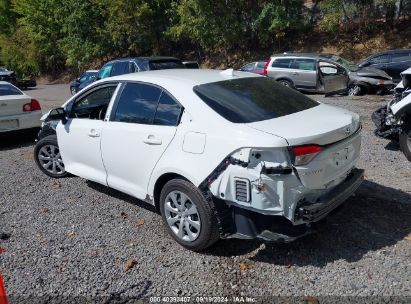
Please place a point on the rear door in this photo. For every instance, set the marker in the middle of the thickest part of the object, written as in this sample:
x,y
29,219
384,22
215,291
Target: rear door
x,y
79,139
333,79
142,124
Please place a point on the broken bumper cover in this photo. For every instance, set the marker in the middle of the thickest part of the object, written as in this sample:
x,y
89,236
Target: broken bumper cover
x,y
242,223
330,201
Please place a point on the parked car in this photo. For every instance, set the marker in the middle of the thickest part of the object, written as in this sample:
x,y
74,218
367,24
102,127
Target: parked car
x,y
191,64
18,111
138,64
283,162
306,72
9,76
84,80
22,83
256,67
392,62
393,121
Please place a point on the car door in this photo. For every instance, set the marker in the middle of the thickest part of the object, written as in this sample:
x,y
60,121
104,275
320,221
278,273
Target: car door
x,y
79,138
333,79
304,73
120,67
400,61
142,124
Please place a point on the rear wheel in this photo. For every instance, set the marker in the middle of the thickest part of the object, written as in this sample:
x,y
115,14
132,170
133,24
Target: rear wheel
x,y
286,83
405,142
48,158
188,216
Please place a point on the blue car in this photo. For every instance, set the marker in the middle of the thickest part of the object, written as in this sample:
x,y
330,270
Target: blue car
x,y
84,80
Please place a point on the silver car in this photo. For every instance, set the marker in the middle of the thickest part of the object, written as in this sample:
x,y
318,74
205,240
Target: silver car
x,y
326,73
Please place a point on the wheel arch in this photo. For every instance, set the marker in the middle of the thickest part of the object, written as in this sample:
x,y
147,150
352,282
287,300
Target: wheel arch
x,y
159,184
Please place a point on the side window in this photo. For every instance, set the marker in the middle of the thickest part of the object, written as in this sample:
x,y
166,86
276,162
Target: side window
x,y
304,64
120,68
168,111
137,103
385,58
260,65
248,67
403,56
282,63
93,105
328,69
105,71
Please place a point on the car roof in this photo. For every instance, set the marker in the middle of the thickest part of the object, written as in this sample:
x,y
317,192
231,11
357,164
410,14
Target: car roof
x,y
149,58
311,55
189,77
91,71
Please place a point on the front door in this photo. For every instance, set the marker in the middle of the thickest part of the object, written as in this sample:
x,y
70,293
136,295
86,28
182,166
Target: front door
x,y
79,138
333,79
142,124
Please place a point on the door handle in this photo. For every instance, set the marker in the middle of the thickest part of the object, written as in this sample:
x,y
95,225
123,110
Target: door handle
x,y
152,140
94,133
295,73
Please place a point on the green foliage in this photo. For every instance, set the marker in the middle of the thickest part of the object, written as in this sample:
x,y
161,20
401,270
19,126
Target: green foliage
x,y
49,36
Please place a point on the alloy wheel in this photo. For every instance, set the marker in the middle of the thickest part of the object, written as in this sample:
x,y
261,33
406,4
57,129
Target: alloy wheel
x,y
182,216
50,158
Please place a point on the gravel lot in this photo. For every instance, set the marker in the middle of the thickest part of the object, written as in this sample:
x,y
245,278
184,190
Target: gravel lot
x,y
71,239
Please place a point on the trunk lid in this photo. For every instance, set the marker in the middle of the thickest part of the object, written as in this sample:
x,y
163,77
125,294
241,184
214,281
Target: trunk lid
x,y
13,104
321,125
335,129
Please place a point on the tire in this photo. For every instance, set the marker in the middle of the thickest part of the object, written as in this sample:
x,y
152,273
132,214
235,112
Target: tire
x,y
48,158
405,142
73,91
286,83
355,90
177,198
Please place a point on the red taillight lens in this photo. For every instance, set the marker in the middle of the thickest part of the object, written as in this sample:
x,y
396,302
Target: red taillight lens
x,y
266,66
304,154
34,105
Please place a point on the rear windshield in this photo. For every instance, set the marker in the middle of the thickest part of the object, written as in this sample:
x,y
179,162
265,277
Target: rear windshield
x,y
247,100
6,89
166,64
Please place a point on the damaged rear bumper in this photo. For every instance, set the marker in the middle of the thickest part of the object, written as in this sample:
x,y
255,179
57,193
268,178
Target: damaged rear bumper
x,y
239,222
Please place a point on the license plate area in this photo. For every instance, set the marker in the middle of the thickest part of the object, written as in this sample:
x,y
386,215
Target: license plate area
x,y
340,158
9,124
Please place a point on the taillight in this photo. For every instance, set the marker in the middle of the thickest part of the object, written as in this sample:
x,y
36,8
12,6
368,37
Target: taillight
x,y
266,66
304,154
33,105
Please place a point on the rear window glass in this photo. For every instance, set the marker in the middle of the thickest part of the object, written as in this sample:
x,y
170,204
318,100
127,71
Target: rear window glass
x,y
6,90
247,100
164,65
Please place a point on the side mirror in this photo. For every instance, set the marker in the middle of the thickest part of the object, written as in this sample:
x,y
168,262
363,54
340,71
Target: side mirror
x,y
57,114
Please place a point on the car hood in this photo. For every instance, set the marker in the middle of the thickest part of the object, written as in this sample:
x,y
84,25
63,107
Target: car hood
x,y
321,125
372,72
7,73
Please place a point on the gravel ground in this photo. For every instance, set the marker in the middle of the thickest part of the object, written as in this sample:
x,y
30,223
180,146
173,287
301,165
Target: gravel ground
x,y
75,240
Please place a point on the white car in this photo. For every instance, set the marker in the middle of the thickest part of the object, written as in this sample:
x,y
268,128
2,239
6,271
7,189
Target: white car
x,y
18,111
218,153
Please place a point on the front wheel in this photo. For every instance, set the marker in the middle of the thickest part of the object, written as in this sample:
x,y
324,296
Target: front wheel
x,y
73,90
355,90
405,142
188,216
48,158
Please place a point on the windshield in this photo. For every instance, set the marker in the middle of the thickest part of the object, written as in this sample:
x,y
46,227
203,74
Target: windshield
x,y
346,63
252,99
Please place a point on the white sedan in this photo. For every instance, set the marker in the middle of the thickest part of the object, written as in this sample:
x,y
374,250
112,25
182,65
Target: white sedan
x,y
220,154
18,111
